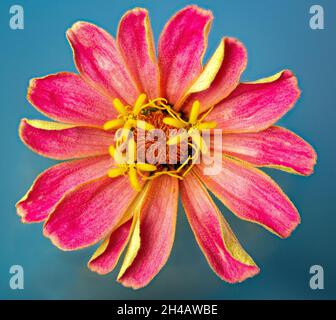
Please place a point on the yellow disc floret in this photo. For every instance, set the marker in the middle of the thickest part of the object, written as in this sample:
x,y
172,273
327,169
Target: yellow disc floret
x,y
155,114
128,117
193,126
127,165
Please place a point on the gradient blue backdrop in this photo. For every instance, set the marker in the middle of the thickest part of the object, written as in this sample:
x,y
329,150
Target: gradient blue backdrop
x,y
277,36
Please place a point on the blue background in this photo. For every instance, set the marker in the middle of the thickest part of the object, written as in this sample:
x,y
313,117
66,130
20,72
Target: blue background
x,y
277,35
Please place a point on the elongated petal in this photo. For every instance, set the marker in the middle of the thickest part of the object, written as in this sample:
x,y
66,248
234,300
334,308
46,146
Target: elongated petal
x,y
98,59
256,106
157,231
274,147
67,98
89,212
107,255
209,72
252,196
61,141
214,236
134,242
227,78
135,40
52,184
181,48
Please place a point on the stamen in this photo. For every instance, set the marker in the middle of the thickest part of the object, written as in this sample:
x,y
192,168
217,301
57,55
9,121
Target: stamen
x,y
129,124
154,114
146,167
119,106
174,122
116,155
139,103
114,124
127,118
158,103
194,112
116,172
129,166
144,125
133,178
195,126
161,104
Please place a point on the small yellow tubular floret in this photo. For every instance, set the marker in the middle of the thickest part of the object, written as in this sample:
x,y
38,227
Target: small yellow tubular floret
x,y
146,167
133,178
174,122
119,106
194,112
114,124
139,103
116,172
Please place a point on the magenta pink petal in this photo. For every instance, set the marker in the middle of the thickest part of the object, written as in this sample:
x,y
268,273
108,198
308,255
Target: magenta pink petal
x,y
52,184
214,236
68,98
182,45
135,40
274,147
253,107
106,261
99,60
89,212
252,196
157,231
227,78
59,141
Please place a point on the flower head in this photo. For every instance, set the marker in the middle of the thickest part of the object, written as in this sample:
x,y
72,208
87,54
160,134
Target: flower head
x,y
137,131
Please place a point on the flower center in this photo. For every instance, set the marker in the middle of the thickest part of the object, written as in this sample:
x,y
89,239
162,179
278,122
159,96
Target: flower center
x,y
152,139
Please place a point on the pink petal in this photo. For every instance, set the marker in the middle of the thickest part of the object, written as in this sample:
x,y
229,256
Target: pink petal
x,y
253,107
274,147
157,231
135,40
227,78
214,236
52,184
67,98
89,212
98,59
106,261
181,48
60,141
126,231
252,196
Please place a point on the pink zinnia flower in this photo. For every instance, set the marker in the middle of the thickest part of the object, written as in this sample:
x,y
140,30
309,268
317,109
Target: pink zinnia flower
x,y
121,85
